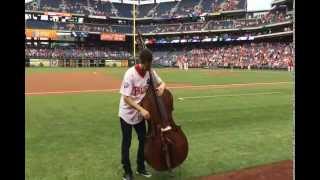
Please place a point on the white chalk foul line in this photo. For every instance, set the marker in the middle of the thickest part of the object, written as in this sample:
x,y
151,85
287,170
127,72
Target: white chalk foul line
x,y
173,87
227,85
227,95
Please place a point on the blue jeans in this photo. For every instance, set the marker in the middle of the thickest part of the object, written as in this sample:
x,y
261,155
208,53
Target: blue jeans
x,y
126,130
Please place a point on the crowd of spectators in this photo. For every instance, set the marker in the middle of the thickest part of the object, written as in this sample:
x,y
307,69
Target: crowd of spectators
x,y
75,52
229,5
253,55
196,8
267,55
31,6
269,18
91,7
166,9
192,26
105,8
186,7
160,28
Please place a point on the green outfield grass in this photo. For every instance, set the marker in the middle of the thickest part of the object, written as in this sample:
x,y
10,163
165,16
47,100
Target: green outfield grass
x,y
77,137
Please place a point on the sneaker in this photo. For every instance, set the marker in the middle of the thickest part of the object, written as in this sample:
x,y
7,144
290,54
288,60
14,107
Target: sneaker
x,y
127,177
144,173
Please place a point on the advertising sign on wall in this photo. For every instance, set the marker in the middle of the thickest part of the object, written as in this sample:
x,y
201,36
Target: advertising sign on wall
x,y
39,62
41,33
112,37
116,63
57,14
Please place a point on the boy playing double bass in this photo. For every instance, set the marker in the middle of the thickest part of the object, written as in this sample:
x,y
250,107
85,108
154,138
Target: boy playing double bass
x,y
133,89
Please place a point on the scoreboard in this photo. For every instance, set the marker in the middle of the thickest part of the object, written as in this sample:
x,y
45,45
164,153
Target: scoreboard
x,y
55,17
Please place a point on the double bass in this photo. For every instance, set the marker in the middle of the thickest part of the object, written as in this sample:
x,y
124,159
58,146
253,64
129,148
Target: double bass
x,y
166,145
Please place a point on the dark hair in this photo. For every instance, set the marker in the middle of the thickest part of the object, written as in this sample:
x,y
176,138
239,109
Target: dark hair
x,y
146,56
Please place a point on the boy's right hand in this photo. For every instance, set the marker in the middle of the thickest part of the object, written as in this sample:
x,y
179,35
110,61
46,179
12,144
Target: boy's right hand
x,y
145,114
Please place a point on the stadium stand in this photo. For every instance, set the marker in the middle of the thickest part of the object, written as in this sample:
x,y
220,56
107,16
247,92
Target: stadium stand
x,y
76,52
102,8
144,10
125,10
192,26
269,18
224,24
121,29
50,4
164,9
68,26
206,6
33,6
227,50
186,7
146,28
39,24
255,55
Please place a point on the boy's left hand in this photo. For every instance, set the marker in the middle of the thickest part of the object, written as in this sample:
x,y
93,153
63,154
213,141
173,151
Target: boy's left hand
x,y
160,90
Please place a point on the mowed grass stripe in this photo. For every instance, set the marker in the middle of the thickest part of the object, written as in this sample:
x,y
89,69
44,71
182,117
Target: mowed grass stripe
x,y
228,95
212,86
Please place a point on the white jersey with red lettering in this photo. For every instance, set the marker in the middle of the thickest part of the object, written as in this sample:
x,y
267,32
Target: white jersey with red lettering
x,y
135,84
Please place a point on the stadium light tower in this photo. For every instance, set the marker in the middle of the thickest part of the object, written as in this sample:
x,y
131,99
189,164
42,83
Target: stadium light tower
x,y
134,32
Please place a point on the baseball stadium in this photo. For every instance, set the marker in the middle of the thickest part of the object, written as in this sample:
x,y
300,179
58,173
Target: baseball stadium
x,y
230,70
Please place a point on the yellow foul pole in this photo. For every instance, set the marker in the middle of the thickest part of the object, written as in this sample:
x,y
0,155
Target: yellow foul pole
x,y
134,32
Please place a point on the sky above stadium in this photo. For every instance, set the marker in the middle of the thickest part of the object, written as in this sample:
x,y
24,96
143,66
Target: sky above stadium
x,y
252,4
259,4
